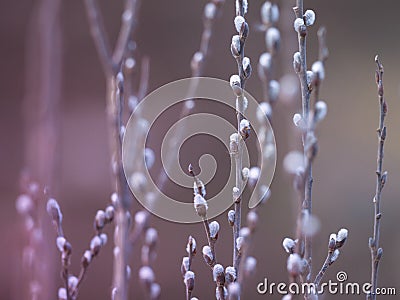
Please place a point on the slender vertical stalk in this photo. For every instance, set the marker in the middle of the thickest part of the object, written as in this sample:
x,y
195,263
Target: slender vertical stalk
x,y
305,100
376,251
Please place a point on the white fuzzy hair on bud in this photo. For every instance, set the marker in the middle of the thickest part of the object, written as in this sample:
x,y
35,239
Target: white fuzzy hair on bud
x,y
342,235
207,253
274,89
335,255
289,245
230,274
200,205
146,274
250,265
231,217
235,192
297,62
321,110
294,264
309,17
155,291
236,84
104,239
100,219
245,173
333,237
310,77
298,23
239,21
246,62
272,39
62,294
264,111
141,218
95,244
217,271
265,60
236,44
210,10
24,204
318,69
269,13
234,290
87,256
60,242
72,282
254,175
53,209
194,246
244,124
214,229
297,120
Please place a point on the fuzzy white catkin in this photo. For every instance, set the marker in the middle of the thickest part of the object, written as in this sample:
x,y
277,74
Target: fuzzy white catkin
x,y
297,118
151,236
264,111
146,274
321,109
24,204
95,243
217,271
272,39
62,294
185,263
72,282
332,237
294,264
297,61
231,272
250,265
318,69
245,173
234,290
53,209
274,89
239,21
234,137
235,192
218,295
104,239
100,218
288,244
244,124
194,246
246,63
155,291
335,255
265,60
297,24
149,157
231,217
214,229
235,80
87,256
342,235
236,43
269,13
207,252
310,77
60,241
309,17
200,205
254,174
293,161
141,218
210,10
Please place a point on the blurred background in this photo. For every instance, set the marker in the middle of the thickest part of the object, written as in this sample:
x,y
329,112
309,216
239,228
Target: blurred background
x,y
168,32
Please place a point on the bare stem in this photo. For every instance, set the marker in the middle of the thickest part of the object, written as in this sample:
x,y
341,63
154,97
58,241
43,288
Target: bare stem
x,y
328,261
376,251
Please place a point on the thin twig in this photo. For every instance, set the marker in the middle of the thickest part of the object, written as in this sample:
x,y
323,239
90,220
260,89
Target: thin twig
x,y
381,177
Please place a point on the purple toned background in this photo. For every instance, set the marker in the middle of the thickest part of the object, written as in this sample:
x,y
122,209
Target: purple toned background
x,y
169,33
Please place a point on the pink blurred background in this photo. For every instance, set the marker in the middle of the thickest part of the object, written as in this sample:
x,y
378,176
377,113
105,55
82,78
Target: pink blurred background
x,y
168,32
